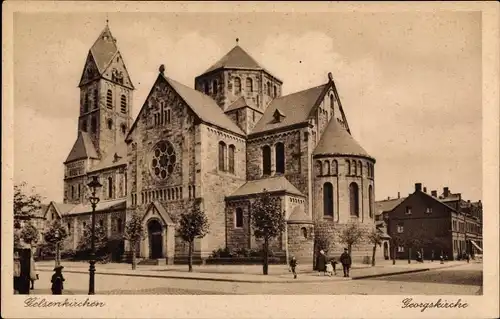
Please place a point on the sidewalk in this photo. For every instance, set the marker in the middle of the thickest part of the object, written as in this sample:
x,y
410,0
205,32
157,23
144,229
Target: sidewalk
x,y
248,273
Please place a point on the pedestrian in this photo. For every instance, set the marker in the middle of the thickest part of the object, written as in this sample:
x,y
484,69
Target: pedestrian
x,y
432,255
33,272
17,272
468,257
293,267
334,265
321,263
57,281
345,260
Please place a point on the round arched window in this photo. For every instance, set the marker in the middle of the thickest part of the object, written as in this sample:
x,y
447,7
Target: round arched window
x,y
163,160
304,232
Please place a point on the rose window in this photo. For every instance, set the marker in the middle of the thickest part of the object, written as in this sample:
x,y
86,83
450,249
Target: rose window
x,y
163,161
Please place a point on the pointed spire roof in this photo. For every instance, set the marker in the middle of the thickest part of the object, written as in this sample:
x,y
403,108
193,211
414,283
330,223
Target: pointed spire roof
x,y
337,141
237,58
83,148
104,49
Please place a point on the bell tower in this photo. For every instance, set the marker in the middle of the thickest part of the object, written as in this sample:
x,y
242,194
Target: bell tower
x,y
105,95
104,117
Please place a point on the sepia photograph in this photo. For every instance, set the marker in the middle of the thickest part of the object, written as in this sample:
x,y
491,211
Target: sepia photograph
x,y
248,153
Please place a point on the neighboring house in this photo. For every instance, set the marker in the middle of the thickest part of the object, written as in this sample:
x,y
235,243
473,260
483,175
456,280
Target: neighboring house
x,y
437,224
381,208
217,146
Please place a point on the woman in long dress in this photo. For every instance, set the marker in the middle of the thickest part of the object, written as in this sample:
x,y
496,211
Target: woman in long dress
x,y
33,272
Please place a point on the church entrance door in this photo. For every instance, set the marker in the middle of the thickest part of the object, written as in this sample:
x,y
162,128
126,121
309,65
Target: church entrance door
x,y
155,239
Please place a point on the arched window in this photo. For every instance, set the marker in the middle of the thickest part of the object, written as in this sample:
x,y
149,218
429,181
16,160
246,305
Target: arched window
x,y
275,91
222,156
304,232
360,168
319,168
110,124
109,99
348,163
328,199
332,100
168,115
123,104
72,191
206,88
268,88
370,200
79,189
69,228
84,125
249,85
119,225
110,187
238,222
266,160
101,223
85,103
355,168
93,125
354,199
96,99
326,168
231,158
215,87
335,167
84,225
280,158
123,127
237,86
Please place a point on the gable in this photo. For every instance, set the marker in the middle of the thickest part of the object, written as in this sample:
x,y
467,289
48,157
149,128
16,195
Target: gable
x,y
419,201
90,70
117,72
174,94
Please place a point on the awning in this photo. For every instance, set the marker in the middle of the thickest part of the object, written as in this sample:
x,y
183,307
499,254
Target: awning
x,y
476,245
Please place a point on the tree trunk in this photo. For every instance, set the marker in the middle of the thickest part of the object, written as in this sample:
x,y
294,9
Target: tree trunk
x,y
373,255
134,258
349,248
190,262
409,255
265,265
394,255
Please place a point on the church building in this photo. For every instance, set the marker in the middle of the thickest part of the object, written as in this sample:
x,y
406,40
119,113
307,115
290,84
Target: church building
x,y
217,146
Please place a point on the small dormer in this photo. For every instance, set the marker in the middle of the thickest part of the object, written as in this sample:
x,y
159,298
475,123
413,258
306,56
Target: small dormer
x,y
278,116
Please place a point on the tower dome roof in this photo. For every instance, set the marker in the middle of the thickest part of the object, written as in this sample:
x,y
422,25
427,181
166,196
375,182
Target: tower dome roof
x,y
337,141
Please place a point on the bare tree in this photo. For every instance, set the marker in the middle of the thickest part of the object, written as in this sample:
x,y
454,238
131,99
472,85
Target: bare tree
x,y
352,235
375,237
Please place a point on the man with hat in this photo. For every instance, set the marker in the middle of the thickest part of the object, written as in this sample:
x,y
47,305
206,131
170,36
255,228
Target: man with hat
x,y
57,281
345,260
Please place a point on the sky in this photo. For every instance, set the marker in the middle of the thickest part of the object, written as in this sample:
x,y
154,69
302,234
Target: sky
x,y
409,83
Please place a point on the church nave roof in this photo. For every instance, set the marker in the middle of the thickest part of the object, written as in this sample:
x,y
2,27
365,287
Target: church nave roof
x,y
271,184
83,148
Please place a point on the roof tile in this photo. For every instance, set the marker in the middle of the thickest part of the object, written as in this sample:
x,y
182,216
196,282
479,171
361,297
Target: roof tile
x,y
337,141
295,107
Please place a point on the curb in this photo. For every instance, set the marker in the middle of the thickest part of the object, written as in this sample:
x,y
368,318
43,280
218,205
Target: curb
x,y
392,273
319,279
202,279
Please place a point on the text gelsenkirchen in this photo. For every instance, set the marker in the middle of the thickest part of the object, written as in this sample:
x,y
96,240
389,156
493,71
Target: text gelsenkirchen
x,y
409,303
70,303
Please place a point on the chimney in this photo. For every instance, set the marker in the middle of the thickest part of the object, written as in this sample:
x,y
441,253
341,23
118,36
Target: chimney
x,y
468,201
425,189
418,187
399,195
388,197
446,192
434,193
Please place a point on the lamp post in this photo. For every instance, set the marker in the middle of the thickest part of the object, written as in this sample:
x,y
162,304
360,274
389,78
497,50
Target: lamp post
x,y
56,235
94,185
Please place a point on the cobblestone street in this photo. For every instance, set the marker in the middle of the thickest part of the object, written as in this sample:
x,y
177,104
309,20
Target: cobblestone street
x,y
464,279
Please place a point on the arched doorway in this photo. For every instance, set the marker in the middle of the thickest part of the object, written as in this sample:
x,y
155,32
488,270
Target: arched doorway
x,y
155,239
386,251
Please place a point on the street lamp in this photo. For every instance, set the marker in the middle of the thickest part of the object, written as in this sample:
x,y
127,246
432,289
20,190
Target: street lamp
x,y
56,235
94,186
